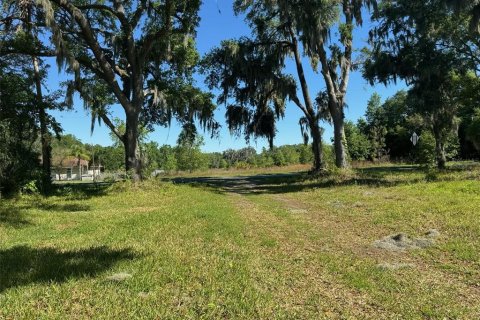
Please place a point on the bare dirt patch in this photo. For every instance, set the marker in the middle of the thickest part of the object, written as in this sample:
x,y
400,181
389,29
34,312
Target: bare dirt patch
x,y
292,205
402,241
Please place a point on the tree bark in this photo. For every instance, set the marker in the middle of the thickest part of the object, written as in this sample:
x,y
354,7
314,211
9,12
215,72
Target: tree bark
x,y
440,152
337,90
308,109
132,151
336,110
45,137
339,138
318,164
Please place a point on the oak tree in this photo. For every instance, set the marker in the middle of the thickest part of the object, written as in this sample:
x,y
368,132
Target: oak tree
x,y
139,54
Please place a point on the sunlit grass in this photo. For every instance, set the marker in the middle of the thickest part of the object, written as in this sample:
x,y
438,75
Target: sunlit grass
x,y
285,247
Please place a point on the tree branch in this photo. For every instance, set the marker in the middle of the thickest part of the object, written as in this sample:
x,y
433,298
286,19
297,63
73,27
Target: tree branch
x,y
346,62
151,37
326,72
309,110
96,7
300,105
96,49
112,127
88,64
42,53
128,31
136,16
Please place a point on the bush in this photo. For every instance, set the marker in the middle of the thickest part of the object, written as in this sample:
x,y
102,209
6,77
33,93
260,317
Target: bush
x,y
30,187
359,147
328,156
425,150
305,154
278,157
19,165
242,165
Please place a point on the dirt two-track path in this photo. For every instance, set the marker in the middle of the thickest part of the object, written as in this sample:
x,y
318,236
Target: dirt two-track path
x,y
302,252
288,236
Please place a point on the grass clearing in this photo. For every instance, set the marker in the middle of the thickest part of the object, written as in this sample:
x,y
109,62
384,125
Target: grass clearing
x,y
256,247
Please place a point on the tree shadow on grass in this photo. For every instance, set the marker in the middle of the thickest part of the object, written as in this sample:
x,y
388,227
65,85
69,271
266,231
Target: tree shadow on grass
x,y
384,170
80,191
69,207
242,184
23,265
332,182
380,176
13,217
282,183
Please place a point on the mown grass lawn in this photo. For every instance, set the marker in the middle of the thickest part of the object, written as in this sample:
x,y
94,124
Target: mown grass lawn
x,y
275,247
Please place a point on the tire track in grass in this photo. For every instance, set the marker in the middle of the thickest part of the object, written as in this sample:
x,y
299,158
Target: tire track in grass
x,y
289,268
313,258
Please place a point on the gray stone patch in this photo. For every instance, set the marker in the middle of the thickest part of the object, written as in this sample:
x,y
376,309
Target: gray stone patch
x,y
336,204
119,277
298,211
432,233
395,266
401,241
358,205
143,295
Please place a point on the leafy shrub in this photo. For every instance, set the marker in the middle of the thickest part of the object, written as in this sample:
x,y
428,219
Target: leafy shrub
x,y
425,149
242,165
18,163
30,187
328,156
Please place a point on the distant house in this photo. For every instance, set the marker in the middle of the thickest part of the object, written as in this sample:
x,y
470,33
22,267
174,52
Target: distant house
x,y
72,168
157,172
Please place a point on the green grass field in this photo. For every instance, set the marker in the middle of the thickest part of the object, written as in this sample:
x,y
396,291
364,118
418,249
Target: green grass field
x,y
254,247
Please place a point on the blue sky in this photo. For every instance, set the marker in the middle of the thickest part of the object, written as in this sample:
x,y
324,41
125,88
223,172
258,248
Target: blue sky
x,y
219,23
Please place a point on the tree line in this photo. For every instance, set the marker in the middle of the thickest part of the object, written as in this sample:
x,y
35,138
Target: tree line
x,y
140,56
385,132
185,156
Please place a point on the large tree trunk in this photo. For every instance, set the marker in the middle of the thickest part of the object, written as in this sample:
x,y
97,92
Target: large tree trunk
x,y
308,109
337,90
318,164
132,151
440,152
339,137
45,137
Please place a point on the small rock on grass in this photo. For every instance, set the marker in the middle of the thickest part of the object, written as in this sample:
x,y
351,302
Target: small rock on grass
x,y
401,241
298,211
395,266
143,295
119,277
432,233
